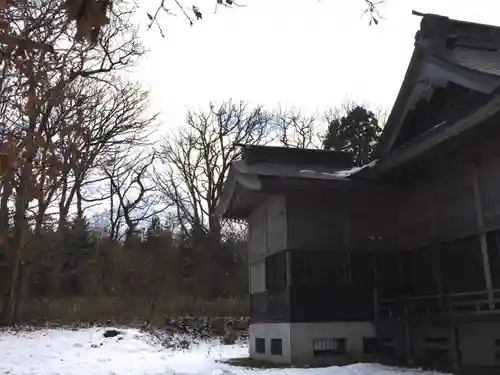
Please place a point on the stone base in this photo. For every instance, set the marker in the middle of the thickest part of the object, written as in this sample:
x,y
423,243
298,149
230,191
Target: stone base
x,y
308,343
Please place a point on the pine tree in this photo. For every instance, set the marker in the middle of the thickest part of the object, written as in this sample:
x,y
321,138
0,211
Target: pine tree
x,y
357,131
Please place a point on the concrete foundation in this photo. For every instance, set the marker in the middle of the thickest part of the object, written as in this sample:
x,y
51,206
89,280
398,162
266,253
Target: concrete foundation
x,y
308,343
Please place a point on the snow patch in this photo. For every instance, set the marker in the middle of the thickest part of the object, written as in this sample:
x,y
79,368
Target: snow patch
x,y
87,351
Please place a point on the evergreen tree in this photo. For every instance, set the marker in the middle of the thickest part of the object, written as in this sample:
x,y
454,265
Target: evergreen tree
x,y
357,131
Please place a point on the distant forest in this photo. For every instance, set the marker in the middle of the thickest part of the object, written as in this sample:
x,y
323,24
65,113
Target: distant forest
x,y
104,216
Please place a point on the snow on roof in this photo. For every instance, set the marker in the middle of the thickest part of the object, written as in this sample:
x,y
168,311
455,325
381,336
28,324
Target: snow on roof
x,y
290,170
339,173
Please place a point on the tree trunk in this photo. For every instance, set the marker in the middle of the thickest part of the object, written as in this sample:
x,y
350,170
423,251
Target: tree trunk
x,y
79,201
63,217
214,232
9,308
214,248
23,290
4,209
4,222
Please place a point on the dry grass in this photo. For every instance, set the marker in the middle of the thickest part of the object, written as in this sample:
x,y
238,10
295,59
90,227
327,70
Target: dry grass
x,y
118,310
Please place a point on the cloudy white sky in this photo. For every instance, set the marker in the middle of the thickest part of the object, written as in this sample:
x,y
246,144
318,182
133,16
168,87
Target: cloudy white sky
x,y
309,54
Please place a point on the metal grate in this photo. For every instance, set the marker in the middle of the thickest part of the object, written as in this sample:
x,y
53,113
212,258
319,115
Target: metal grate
x,y
328,346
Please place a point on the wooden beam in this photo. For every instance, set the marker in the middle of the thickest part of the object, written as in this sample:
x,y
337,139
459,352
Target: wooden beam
x,y
482,234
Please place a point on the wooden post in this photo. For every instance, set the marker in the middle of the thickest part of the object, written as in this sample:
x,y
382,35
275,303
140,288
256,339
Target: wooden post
x,y
289,283
457,353
482,235
288,260
408,335
265,217
434,246
376,305
346,229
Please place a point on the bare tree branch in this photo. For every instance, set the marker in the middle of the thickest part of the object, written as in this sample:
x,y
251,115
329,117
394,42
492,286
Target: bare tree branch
x,y
198,158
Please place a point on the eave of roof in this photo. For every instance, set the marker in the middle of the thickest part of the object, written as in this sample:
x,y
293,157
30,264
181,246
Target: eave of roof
x,y
412,73
234,179
429,140
248,178
483,61
424,49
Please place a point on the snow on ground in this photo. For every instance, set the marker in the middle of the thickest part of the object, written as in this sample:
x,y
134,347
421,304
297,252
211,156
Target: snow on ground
x,y
87,352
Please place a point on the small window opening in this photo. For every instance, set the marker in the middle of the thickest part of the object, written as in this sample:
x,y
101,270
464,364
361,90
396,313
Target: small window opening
x,y
260,345
276,347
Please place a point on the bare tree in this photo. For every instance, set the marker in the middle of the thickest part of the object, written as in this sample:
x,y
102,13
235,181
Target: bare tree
x,y
296,129
197,159
114,118
132,196
193,13
42,60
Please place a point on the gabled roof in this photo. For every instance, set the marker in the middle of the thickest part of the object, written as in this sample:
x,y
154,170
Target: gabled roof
x,y
255,154
464,54
245,184
480,60
431,140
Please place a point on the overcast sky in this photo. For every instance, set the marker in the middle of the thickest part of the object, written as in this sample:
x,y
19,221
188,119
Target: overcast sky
x,y
308,54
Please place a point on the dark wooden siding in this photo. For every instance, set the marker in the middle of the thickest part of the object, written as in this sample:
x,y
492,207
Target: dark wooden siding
x,y
276,272
325,286
331,286
390,276
358,220
270,306
372,216
418,270
456,265
493,240
489,185
461,266
317,267
314,222
327,303
406,274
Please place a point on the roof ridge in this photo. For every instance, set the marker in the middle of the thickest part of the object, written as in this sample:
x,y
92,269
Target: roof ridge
x,y
453,20
446,32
